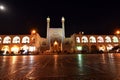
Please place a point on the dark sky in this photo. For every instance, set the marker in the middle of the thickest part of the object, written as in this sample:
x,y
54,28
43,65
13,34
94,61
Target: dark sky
x,y
91,17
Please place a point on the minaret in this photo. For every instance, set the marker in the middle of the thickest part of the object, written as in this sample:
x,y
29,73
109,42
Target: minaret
x,y
48,26
63,26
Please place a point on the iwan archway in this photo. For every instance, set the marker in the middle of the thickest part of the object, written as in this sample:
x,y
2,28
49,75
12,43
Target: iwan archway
x,y
55,36
56,45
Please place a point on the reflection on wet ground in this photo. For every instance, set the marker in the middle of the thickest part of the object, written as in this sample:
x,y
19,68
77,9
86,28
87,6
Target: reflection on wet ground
x,y
61,67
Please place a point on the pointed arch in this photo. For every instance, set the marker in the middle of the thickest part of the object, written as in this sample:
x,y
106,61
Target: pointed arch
x,y
78,39
92,39
7,40
109,47
107,39
101,48
25,39
16,39
84,39
115,39
100,39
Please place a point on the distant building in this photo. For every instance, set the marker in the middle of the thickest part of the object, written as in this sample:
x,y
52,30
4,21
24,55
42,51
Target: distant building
x,y
56,41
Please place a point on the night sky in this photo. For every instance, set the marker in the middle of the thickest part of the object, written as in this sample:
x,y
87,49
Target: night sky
x,y
21,16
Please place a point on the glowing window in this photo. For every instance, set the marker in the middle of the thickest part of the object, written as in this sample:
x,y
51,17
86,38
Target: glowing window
x,y
100,39
92,39
78,39
7,40
109,47
79,48
107,39
101,48
15,49
115,39
16,39
26,39
84,39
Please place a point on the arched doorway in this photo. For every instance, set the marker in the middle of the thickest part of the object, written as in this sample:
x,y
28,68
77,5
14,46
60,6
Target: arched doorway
x,y
101,48
5,49
55,45
94,49
85,49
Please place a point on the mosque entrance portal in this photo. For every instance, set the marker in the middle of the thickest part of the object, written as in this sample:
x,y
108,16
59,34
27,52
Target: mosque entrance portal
x,y
56,46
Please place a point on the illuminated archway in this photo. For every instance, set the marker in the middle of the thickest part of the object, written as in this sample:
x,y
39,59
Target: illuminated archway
x,y
107,39
7,40
101,48
15,49
84,39
109,47
5,49
78,39
32,48
56,46
92,39
25,39
100,39
25,48
115,39
16,39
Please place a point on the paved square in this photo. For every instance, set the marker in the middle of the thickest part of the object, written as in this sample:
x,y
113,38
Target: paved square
x,y
60,67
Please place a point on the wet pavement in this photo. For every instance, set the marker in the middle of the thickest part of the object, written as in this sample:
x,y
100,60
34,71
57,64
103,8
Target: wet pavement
x,y
61,67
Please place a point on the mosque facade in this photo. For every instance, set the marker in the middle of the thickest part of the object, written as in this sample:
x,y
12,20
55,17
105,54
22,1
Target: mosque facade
x,y
56,41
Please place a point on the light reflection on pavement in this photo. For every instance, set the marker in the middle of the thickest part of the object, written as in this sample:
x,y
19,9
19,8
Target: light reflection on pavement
x,y
61,67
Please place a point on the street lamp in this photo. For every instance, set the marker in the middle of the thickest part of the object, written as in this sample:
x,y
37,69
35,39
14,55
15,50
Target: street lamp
x,y
117,32
33,32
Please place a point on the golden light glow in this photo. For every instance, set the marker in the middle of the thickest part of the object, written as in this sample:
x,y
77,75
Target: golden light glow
x,y
32,48
118,32
63,19
5,48
55,43
33,31
14,58
79,48
55,61
15,49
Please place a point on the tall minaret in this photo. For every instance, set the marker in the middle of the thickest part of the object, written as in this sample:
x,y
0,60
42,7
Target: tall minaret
x,y
48,26
63,26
